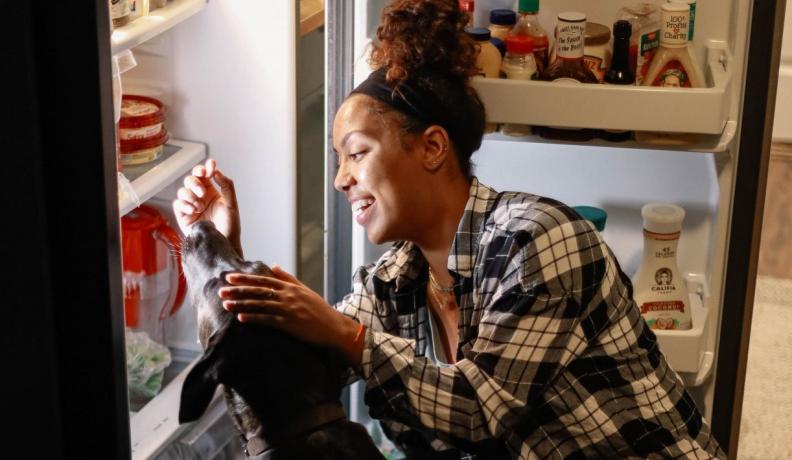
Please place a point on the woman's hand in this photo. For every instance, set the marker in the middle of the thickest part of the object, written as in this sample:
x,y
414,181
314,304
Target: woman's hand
x,y
284,303
209,195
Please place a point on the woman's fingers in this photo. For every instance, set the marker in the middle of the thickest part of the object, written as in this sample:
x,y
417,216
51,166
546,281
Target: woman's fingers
x,y
188,197
248,292
259,307
283,275
244,279
225,187
195,186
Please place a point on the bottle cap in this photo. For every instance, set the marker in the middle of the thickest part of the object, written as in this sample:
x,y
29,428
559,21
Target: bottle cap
x,y
597,34
571,16
519,44
675,24
622,29
528,6
662,218
498,43
503,17
480,34
596,216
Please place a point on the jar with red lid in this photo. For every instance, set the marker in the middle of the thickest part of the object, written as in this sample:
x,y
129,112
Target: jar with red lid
x,y
141,130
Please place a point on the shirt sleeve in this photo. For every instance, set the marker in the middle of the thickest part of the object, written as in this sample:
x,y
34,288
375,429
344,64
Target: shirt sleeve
x,y
529,331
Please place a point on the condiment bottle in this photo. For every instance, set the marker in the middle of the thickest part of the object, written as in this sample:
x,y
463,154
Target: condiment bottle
x,y
502,21
596,52
528,24
645,21
620,72
518,64
658,287
692,5
488,60
569,67
119,12
674,65
469,7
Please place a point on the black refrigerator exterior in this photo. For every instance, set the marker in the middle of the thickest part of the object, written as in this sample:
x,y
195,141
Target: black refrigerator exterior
x,y
65,383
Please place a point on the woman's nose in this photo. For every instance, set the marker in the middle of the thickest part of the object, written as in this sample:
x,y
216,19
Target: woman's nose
x,y
343,179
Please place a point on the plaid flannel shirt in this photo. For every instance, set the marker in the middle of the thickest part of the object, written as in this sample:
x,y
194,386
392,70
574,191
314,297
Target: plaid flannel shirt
x,y
554,359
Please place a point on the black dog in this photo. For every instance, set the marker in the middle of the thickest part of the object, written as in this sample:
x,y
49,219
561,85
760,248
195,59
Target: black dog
x,y
282,394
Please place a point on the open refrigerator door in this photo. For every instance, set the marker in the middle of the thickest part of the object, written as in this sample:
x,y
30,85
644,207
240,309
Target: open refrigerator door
x,y
224,75
706,178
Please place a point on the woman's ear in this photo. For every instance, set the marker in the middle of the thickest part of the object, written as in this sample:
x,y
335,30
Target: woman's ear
x,y
436,147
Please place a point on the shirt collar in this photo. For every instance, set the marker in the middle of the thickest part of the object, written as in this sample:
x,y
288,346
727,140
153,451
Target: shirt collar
x,y
405,262
464,249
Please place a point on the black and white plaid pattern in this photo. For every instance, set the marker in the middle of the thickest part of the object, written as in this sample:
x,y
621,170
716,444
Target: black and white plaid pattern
x,y
554,359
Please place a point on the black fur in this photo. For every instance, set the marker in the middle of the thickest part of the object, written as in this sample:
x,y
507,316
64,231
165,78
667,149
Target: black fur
x,y
267,376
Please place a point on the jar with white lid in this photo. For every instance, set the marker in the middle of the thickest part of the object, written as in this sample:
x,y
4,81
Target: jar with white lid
x,y
659,289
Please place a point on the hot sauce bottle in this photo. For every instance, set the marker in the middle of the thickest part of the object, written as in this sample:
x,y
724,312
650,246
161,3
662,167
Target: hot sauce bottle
x,y
569,67
528,24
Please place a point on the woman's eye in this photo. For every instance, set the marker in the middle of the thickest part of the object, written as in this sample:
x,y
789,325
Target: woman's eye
x,y
356,156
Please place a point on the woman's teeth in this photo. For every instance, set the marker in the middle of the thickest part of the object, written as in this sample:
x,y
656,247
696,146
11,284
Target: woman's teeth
x,y
359,206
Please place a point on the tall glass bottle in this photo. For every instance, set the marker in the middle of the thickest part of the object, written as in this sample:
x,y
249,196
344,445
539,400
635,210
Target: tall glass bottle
x,y
659,289
620,71
528,24
569,67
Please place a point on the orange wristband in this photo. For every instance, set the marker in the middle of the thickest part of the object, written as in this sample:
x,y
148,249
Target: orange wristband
x,y
356,347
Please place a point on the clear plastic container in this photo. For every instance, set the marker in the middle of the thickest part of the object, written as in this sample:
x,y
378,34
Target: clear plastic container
x,y
518,64
645,21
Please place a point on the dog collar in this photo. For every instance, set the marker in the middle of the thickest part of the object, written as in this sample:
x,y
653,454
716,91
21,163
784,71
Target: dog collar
x,y
306,422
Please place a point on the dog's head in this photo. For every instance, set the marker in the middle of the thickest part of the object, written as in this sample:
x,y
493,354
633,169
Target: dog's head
x,y
265,369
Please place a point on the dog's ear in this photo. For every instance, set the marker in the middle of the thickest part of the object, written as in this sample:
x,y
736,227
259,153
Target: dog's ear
x,y
200,383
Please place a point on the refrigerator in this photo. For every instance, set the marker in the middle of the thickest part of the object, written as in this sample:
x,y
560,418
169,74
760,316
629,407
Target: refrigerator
x,y
238,88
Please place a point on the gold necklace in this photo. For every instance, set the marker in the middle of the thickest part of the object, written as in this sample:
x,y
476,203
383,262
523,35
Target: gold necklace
x,y
449,303
437,285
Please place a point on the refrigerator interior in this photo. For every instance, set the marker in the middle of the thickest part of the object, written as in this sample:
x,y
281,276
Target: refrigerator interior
x,y
227,74
621,178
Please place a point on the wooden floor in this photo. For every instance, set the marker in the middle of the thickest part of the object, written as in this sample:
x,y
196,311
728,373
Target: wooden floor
x,y
775,251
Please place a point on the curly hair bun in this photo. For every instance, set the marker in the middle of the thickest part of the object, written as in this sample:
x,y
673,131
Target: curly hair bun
x,y
424,35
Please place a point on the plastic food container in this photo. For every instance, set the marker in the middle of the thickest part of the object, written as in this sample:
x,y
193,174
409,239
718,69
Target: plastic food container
x,y
142,117
139,151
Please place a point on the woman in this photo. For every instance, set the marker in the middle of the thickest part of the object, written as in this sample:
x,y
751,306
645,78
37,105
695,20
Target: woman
x,y
498,324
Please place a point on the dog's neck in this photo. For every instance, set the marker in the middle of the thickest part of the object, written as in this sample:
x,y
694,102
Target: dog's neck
x,y
300,425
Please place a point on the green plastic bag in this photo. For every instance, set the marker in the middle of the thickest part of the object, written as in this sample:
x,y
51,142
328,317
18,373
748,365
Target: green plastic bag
x,y
146,363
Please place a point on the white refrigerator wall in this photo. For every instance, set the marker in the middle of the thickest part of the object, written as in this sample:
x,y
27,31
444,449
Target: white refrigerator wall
x,y
228,78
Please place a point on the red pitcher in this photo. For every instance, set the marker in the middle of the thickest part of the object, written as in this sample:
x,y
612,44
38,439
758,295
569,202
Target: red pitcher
x,y
154,285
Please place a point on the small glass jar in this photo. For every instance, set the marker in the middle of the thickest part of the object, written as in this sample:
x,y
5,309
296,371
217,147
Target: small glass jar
x,y
501,22
119,12
597,52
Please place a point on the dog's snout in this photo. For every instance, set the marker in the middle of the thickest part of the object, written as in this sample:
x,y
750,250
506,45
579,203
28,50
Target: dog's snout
x,y
202,226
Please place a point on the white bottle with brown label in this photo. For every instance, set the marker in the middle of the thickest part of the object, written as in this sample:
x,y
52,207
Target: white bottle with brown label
x,y
659,289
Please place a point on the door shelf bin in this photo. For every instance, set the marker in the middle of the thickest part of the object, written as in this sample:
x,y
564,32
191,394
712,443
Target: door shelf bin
x,y
159,21
686,350
634,108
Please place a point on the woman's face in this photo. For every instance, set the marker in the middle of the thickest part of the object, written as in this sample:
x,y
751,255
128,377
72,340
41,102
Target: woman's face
x,y
376,173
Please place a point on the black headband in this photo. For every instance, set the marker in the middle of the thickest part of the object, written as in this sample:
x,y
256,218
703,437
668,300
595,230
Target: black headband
x,y
417,97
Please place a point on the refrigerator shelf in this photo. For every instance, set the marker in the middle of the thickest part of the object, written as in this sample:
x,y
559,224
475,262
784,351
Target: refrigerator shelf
x,y
147,27
686,351
634,108
148,179
708,143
